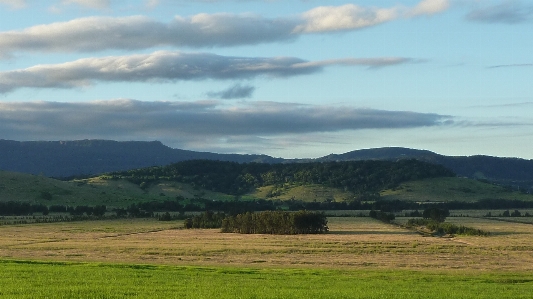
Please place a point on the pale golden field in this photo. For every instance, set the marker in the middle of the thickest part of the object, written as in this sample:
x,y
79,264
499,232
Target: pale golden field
x,y
351,243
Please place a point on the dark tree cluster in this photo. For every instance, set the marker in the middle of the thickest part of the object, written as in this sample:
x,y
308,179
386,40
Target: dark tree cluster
x,y
276,222
207,219
382,216
436,214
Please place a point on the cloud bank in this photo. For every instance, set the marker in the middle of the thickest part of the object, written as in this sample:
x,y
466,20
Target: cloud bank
x,y
189,121
167,66
201,30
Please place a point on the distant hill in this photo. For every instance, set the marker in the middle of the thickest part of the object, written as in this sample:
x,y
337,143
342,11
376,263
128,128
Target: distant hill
x,y
90,157
507,171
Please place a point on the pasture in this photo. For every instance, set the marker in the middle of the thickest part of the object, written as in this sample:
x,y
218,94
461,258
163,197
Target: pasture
x,y
359,258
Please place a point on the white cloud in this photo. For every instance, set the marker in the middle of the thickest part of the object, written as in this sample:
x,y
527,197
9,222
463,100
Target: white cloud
x,y
430,7
352,17
201,30
137,32
346,17
165,66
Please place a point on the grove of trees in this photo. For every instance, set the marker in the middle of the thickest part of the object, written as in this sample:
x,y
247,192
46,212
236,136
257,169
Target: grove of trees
x,y
266,222
276,222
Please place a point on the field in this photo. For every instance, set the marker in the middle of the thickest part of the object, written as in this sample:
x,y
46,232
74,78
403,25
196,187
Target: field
x,y
359,258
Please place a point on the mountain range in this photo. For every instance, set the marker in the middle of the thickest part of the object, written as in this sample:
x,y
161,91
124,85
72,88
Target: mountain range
x,y
63,159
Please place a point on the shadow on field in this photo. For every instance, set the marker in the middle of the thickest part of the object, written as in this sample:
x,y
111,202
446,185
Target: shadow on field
x,y
507,233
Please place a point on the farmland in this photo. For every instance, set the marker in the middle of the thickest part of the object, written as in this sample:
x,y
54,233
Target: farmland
x,y
360,257
356,256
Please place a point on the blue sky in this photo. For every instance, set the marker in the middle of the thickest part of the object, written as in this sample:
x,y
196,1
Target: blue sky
x,y
292,78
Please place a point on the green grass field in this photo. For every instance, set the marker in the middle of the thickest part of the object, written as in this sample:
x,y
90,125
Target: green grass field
x,y
24,279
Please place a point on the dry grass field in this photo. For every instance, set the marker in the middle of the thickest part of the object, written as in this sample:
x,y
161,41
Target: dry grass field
x,y
351,243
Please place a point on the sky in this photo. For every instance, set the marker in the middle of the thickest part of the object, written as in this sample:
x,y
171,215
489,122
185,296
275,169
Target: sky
x,y
286,78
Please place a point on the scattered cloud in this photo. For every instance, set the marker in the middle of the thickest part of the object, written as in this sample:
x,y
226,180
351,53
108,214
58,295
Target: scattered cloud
x,y
506,105
511,65
152,3
202,30
368,62
351,17
174,121
429,7
96,4
508,12
236,91
345,17
15,4
167,66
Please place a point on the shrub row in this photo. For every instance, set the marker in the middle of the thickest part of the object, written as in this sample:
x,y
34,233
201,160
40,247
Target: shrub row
x,y
446,228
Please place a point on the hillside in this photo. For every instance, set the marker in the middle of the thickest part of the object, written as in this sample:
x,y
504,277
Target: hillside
x,y
450,189
360,177
392,180
506,171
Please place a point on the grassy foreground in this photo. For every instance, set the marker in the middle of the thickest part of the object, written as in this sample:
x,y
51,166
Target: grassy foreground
x,y
30,279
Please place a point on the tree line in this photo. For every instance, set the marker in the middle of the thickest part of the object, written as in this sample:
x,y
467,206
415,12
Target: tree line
x,y
182,205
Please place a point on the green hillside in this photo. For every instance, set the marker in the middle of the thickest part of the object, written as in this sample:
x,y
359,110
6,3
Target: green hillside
x,y
450,189
211,181
308,193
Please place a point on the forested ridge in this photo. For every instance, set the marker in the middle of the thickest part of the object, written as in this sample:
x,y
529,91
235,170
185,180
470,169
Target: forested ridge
x,y
237,179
